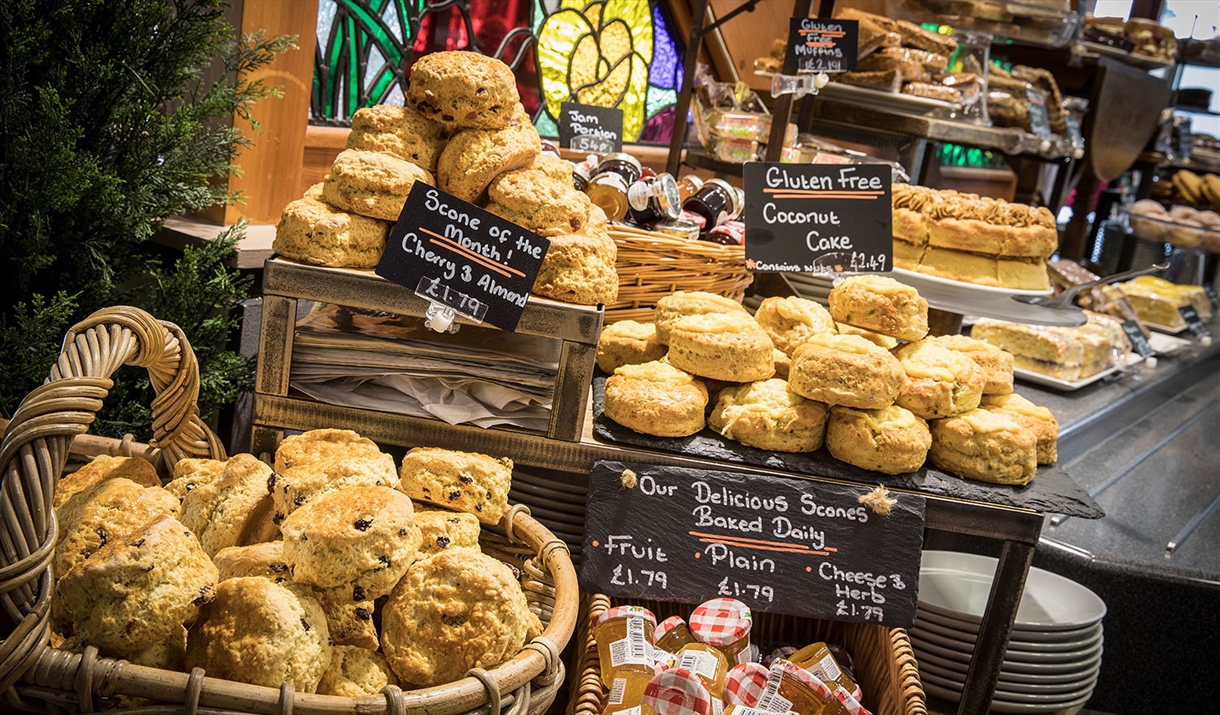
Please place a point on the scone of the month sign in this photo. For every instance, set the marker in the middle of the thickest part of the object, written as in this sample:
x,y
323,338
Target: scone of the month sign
x,y
361,574
464,131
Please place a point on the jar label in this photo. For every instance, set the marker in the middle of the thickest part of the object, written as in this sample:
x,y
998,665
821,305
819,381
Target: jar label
x,y
699,662
617,691
770,699
632,650
826,669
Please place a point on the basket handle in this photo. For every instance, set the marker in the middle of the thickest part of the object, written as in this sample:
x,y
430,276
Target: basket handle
x,y
36,441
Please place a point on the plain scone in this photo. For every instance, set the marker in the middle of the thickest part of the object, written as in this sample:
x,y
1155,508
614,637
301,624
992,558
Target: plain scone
x,y
464,481
680,304
986,446
891,440
846,370
453,612
263,633
768,415
881,304
656,398
722,346
134,592
628,342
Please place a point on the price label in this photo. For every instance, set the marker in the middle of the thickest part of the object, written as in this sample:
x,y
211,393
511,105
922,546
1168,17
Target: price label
x,y
1193,321
1135,336
1186,142
1039,120
818,219
821,45
596,130
1073,129
1212,296
457,254
791,546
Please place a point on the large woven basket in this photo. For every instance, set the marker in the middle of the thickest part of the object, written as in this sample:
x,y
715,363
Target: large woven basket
x,y
35,448
885,664
652,265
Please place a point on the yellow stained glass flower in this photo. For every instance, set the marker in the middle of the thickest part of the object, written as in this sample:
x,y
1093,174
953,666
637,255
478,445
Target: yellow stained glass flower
x,y
598,53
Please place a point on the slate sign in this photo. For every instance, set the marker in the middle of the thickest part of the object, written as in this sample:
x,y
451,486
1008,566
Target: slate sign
x,y
584,128
1212,296
783,545
815,218
1039,120
457,254
1186,142
1139,343
821,45
1193,321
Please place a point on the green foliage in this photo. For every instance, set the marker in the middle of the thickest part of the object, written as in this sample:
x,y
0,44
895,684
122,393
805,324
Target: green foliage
x,y
108,126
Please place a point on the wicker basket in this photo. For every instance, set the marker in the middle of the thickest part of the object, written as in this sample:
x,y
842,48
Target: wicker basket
x,y
885,663
652,265
36,445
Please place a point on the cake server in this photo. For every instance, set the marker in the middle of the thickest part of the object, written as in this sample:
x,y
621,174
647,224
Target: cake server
x,y
1064,299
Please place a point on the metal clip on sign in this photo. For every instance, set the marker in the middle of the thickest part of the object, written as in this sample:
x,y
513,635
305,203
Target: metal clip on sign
x,y
798,85
440,318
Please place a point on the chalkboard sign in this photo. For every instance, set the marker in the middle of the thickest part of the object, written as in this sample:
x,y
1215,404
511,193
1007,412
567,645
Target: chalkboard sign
x,y
1039,120
818,219
821,45
1193,321
783,545
1135,336
457,254
1211,296
1186,142
598,130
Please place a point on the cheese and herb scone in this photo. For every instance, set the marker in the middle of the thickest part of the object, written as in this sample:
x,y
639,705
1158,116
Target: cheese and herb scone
x,y
995,364
892,440
985,446
846,370
722,346
1038,420
880,304
790,320
768,415
656,398
940,382
680,304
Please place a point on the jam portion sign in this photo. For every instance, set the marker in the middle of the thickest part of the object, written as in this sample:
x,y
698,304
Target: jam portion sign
x,y
457,254
818,218
820,45
790,546
598,130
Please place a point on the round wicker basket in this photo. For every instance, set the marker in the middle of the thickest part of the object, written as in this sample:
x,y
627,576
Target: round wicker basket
x,y
35,448
652,265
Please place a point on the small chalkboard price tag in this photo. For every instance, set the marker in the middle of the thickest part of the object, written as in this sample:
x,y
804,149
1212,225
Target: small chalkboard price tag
x,y
1193,322
1186,142
1135,336
1073,129
790,546
1212,296
821,45
816,218
456,253
584,128
1039,120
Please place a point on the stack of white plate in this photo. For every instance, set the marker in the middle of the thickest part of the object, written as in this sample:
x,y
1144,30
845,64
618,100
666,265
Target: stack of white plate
x,y
1054,653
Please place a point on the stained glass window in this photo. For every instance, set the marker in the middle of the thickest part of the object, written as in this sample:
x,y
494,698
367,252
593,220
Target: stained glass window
x,y
620,53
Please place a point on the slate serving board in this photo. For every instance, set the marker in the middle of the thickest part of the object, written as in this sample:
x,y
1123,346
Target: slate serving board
x,y
1052,491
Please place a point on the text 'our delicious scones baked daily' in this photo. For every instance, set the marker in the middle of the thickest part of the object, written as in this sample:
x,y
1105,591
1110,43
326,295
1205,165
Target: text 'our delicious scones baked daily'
x,y
861,379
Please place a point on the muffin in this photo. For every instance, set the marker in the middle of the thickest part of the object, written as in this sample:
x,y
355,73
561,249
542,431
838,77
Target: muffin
x,y
220,510
453,612
986,446
103,467
356,672
656,398
846,370
464,481
372,184
399,131
683,303
463,90
790,321
263,633
940,382
721,346
352,537
891,440
628,343
768,415
994,363
880,304
134,592
1038,420
311,231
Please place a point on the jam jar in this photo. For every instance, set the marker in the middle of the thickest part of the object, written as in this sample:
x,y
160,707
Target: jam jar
x,y
715,202
688,185
609,192
653,199
625,165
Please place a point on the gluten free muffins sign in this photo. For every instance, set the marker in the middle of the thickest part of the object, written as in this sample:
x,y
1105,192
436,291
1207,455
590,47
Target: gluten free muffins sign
x,y
818,218
452,252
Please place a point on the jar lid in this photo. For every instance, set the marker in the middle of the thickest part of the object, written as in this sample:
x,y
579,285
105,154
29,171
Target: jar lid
x,y
692,180
721,621
802,676
669,200
623,157
784,652
745,683
677,228
624,612
851,702
678,692
609,177
666,626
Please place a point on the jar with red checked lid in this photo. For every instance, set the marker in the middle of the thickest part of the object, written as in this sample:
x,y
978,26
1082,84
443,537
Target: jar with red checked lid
x,y
707,663
624,641
626,696
724,624
673,633
744,684
681,692
791,687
